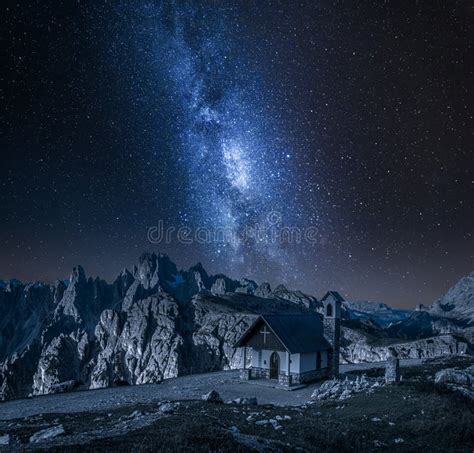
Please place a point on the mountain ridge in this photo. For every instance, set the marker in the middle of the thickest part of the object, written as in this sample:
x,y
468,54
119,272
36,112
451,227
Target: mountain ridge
x,y
154,322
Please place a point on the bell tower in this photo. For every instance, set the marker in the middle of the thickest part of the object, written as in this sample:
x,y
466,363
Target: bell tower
x,y
332,329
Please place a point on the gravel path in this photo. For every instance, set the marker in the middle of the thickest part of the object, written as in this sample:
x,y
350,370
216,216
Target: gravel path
x,y
227,383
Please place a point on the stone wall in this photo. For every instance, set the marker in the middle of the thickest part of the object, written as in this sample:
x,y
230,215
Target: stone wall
x,y
259,373
296,378
283,379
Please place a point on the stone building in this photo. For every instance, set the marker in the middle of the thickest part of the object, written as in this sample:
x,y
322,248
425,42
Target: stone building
x,y
294,349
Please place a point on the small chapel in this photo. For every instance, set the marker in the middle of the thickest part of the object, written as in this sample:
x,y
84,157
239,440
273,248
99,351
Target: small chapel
x,y
294,349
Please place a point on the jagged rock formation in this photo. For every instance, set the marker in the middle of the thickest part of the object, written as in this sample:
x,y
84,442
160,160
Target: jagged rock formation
x,y
358,350
155,322
152,323
297,297
264,290
366,341
138,344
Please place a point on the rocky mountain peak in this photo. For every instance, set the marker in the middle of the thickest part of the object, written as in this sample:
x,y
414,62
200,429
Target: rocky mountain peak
x,y
199,276
264,290
153,269
219,286
58,291
125,273
77,275
458,302
147,269
10,285
281,289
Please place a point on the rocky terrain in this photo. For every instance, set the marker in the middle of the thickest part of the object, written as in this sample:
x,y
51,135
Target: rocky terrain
x,y
359,348
156,322
359,412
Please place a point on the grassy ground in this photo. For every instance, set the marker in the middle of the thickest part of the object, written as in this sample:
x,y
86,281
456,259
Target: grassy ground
x,y
412,416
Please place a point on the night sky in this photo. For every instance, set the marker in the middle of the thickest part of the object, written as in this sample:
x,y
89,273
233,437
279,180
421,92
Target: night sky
x,y
351,118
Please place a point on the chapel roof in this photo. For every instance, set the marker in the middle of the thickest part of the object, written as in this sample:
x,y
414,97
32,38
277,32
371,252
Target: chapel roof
x,y
297,333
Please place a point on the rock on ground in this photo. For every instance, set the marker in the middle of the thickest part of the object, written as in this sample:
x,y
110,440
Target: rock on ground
x,y
343,389
167,408
48,433
5,439
456,376
460,381
212,397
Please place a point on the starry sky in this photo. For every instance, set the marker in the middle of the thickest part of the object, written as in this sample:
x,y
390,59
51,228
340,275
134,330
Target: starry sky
x,y
352,119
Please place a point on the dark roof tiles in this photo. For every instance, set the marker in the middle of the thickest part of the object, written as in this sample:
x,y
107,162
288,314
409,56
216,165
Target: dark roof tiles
x,y
297,333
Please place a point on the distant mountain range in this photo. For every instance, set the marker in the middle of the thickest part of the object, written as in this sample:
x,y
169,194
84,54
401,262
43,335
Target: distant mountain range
x,y
156,321
381,313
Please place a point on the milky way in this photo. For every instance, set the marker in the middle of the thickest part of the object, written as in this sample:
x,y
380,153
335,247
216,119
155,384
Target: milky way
x,y
236,173
349,120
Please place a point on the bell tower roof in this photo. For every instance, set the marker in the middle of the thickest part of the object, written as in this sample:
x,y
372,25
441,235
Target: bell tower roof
x,y
334,295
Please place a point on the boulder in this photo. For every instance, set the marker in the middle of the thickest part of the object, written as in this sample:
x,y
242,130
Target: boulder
x,y
167,408
262,422
47,434
5,439
275,424
136,414
455,376
212,397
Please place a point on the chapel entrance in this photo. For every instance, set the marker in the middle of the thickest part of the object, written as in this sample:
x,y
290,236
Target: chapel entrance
x,y
274,365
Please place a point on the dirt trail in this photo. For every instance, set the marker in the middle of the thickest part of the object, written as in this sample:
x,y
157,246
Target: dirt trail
x,y
227,383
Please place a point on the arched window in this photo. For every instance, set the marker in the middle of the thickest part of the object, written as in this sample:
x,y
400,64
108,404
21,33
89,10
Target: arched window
x,y
318,360
329,310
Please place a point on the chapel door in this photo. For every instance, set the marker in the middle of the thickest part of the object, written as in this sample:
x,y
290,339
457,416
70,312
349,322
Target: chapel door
x,y
318,360
274,365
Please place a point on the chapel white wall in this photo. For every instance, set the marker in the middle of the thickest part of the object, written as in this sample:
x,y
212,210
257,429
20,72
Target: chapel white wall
x,y
260,357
